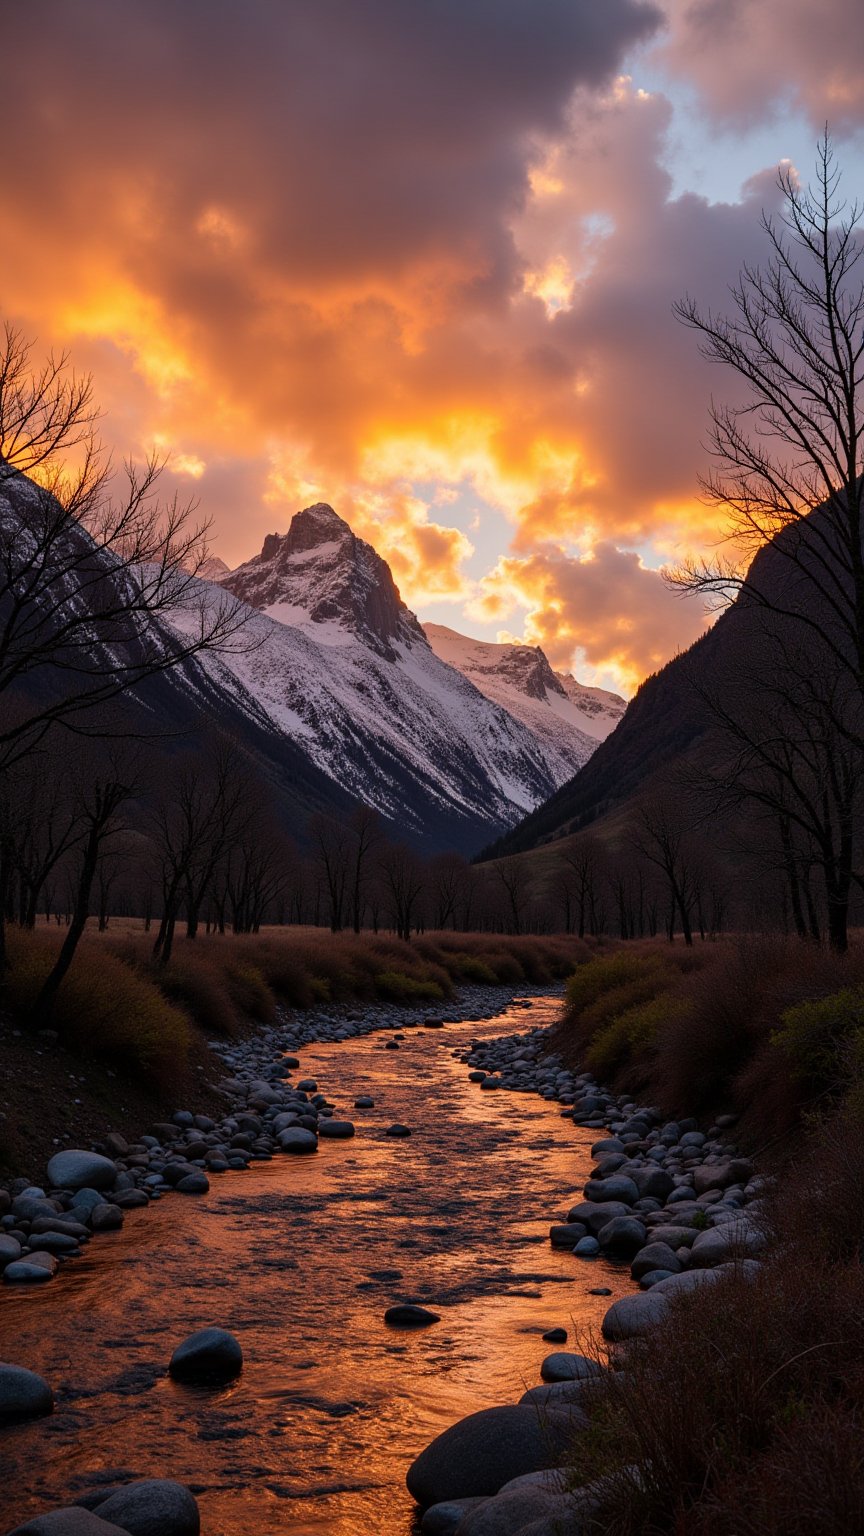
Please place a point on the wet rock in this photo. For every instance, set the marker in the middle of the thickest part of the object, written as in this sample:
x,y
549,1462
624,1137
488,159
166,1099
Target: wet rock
x,y
77,1169
567,1234
72,1521
35,1269
587,1248
397,1130
207,1357
595,1217
633,1316
339,1130
409,1316
718,1246
555,1336
479,1454
365,1101
564,1366
23,1394
152,1507
10,1250
298,1139
622,1237
619,1187
196,1183
106,1218
654,1256
445,1519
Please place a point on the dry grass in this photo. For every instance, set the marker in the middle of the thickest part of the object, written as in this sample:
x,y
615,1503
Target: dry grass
x,y
734,1025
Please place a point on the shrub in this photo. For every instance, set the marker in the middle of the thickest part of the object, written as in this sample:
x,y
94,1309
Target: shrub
x,y
628,1041
397,984
823,1038
470,968
104,1007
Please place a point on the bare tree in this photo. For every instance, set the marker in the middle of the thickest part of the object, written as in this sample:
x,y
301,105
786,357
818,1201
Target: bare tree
x,y
98,588
331,843
365,834
449,877
404,879
788,461
661,837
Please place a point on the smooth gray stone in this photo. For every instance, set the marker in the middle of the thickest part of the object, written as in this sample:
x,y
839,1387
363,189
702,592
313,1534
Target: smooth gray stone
x,y
720,1244
587,1248
72,1521
298,1140
564,1366
88,1199
57,1243
193,1184
152,1507
68,1228
633,1316
618,1187
23,1394
364,1102
339,1130
480,1453
30,1271
10,1250
654,1182
445,1519
622,1237
512,1509
78,1169
410,1316
595,1217
211,1355
106,1218
558,1394
397,1130
567,1234
654,1256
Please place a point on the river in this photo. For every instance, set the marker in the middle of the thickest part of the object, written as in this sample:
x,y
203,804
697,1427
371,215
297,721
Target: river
x,y
300,1257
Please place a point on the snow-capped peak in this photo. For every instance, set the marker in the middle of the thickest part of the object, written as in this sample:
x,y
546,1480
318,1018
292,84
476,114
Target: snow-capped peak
x,y
320,577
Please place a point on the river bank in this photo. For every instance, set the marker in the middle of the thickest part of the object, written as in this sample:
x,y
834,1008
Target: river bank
x,y
300,1259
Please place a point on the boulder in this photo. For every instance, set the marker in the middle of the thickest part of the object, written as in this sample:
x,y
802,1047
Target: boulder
x,y
563,1366
77,1169
72,1521
445,1519
595,1216
410,1316
208,1357
653,1183
23,1394
733,1240
511,1510
338,1129
34,1270
10,1250
477,1455
622,1237
618,1187
297,1140
196,1183
152,1507
106,1218
567,1234
633,1316
654,1256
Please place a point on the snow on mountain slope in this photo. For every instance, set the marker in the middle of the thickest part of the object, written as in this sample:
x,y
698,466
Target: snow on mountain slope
x,y
568,717
340,665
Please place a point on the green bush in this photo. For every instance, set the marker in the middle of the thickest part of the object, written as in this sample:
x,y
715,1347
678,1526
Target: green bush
x,y
629,1038
397,984
469,968
823,1039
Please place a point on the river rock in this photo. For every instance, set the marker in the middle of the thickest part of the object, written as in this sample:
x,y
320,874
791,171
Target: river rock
x,y
409,1316
654,1256
510,1511
364,1102
209,1356
152,1507
619,1187
72,1521
35,1269
338,1129
298,1140
106,1218
196,1183
77,1169
563,1366
653,1183
595,1217
23,1394
567,1234
622,1237
555,1336
397,1130
445,1519
633,1316
718,1246
479,1454
587,1248
10,1250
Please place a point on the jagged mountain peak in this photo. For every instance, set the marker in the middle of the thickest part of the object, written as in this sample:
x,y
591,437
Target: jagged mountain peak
x,y
321,577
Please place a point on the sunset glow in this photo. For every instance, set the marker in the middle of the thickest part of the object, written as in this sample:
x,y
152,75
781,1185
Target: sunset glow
x,y
464,292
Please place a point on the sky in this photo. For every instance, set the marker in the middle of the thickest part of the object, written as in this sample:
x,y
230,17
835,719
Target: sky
x,y
417,258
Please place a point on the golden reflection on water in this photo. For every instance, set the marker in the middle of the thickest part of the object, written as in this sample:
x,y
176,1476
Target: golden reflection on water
x,y
300,1258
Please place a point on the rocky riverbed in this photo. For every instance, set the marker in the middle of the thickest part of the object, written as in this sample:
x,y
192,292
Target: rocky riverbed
x,y
402,1251
679,1205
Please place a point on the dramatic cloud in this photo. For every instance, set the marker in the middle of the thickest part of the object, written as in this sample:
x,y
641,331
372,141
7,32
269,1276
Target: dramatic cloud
x,y
747,60
621,616
412,259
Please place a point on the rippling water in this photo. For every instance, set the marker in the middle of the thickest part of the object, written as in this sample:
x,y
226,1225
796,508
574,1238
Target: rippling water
x,y
300,1257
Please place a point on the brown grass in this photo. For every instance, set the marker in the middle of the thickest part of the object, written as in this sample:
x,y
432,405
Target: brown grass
x,y
743,1414
707,1029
